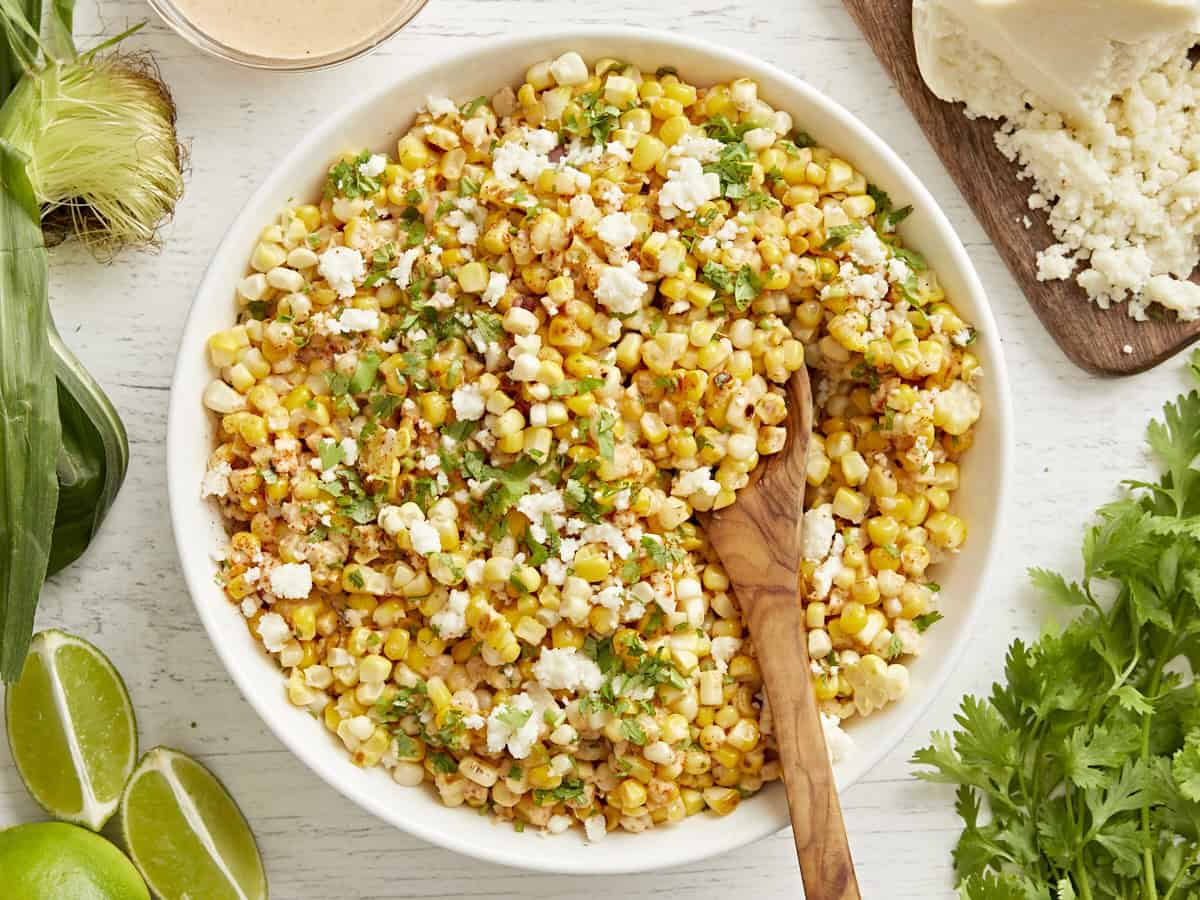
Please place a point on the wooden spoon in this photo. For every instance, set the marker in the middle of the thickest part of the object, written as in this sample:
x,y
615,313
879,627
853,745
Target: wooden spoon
x,y
758,540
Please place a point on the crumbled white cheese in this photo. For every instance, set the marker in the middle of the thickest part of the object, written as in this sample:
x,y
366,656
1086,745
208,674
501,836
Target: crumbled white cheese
x,y
500,732
723,649
620,289
425,538
216,481
342,267
349,451
611,597
274,631
693,481
618,150
439,106
353,319
817,532
1121,179
687,186
617,230
451,622
535,507
374,165
697,147
527,156
839,744
567,669
610,535
867,249
822,579
291,581
496,286
468,402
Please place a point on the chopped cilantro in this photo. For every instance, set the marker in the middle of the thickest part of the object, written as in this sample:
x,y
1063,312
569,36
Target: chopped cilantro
x,y
720,128
473,106
331,453
802,139
887,217
364,373
512,717
604,434
570,789
596,120
346,179
443,762
461,430
839,234
717,276
660,554
923,622
746,287
489,326
733,167
633,732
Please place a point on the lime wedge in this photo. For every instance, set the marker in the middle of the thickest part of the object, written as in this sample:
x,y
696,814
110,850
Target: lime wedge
x,y
71,729
186,835
56,861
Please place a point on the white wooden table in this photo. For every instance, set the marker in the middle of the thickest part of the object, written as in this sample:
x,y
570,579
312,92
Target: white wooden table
x,y
1077,436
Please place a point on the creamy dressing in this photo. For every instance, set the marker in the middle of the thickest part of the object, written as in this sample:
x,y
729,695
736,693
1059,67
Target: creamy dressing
x,y
292,29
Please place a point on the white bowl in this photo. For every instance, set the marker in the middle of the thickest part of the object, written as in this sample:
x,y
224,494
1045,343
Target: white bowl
x,y
377,121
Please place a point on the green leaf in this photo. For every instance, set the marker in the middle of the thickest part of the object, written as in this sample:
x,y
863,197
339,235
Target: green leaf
x,y
30,432
512,717
1054,587
473,106
92,459
925,621
733,167
839,234
18,42
331,453
1185,767
1176,443
746,287
364,373
720,128
633,732
718,277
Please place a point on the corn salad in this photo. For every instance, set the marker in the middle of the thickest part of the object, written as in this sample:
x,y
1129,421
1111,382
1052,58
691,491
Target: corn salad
x,y
475,395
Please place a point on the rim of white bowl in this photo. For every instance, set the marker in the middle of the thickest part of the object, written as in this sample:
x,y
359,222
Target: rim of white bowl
x,y
847,772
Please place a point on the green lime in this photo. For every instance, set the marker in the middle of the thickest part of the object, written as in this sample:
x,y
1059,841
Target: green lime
x,y
186,835
71,729
57,861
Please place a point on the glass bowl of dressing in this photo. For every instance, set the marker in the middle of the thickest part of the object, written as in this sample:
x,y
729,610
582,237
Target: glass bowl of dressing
x,y
287,35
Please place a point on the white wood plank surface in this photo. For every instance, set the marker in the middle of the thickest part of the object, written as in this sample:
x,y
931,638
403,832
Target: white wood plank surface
x,y
1076,437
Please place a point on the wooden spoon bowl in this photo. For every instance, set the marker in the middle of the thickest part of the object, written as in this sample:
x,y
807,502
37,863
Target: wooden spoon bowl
x,y
758,539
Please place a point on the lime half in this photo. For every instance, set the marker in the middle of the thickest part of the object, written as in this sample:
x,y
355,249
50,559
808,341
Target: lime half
x,y
186,835
71,729
56,861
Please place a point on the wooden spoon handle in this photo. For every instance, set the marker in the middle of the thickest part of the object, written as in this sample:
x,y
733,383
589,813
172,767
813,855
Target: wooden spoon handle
x,y
779,636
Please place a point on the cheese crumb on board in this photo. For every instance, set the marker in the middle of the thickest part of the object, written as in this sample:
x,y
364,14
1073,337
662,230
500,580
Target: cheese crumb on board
x,y
1114,159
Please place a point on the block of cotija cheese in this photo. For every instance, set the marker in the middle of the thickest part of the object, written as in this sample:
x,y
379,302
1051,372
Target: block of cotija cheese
x,y
1101,107
1070,56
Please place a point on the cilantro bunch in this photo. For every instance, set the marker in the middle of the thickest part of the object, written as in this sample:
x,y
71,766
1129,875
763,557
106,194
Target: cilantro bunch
x,y
1079,777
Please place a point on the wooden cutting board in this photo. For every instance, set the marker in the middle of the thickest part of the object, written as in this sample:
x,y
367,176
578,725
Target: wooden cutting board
x,y
1093,338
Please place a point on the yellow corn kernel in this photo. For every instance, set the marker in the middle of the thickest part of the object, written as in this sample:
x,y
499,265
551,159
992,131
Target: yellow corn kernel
x,y
647,152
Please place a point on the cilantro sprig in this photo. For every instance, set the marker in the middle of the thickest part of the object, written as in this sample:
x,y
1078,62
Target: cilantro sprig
x,y
1079,776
